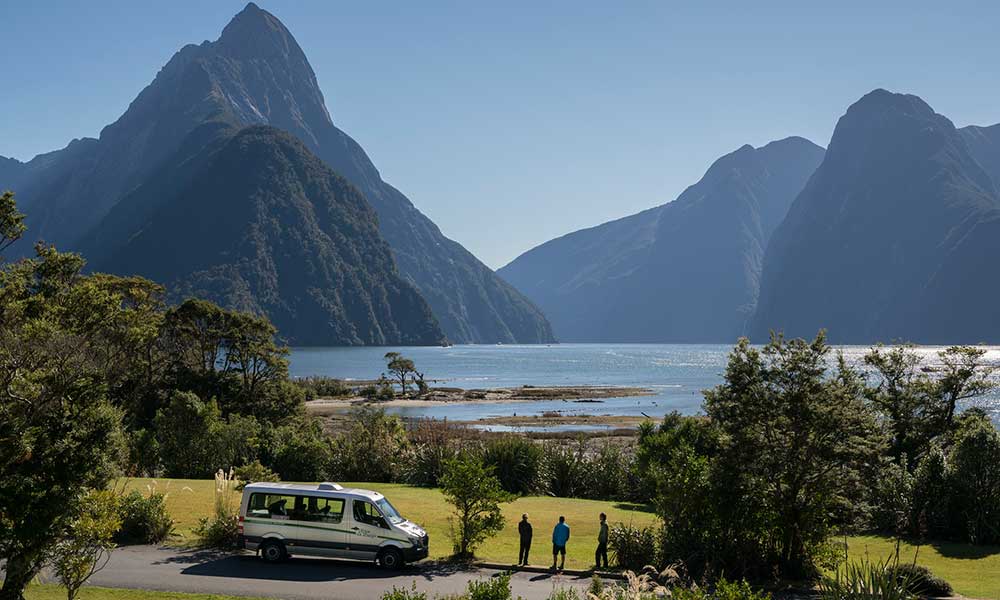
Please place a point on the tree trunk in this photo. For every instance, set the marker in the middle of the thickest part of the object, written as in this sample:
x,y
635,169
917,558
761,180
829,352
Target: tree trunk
x,y
19,573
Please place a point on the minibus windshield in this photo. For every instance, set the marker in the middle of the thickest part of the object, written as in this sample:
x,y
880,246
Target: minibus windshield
x,y
389,511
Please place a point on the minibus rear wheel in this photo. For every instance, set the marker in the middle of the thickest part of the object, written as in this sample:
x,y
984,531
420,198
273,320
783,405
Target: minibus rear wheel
x,y
390,559
273,551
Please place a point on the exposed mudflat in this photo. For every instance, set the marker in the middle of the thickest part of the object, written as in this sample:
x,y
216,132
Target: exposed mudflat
x,y
582,394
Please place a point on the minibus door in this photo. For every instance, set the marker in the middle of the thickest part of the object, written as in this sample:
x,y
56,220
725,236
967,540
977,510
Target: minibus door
x,y
368,530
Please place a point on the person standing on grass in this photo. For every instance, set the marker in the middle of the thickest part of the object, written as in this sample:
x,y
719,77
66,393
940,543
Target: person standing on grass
x,y
560,535
602,543
524,530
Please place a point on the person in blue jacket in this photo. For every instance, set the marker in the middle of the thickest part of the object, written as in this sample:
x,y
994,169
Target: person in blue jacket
x,y
560,535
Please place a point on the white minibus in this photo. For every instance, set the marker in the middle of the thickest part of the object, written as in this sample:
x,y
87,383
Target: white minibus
x,y
281,519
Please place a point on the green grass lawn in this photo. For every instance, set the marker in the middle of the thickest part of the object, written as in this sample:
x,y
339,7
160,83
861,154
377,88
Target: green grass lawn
x,y
55,592
973,571
188,500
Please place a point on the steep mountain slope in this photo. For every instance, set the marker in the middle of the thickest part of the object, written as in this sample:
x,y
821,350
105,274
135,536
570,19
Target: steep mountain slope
x,y
892,237
11,172
277,232
984,144
686,271
256,73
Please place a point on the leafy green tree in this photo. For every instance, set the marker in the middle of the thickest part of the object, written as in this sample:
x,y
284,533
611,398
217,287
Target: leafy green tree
x,y
60,435
974,475
194,439
301,451
476,494
230,356
794,442
904,396
400,368
86,549
965,375
183,432
11,221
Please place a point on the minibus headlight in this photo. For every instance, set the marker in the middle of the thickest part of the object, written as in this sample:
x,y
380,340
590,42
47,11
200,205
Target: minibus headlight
x,y
415,541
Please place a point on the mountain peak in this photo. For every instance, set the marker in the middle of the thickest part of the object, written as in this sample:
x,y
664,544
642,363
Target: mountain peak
x,y
881,100
254,31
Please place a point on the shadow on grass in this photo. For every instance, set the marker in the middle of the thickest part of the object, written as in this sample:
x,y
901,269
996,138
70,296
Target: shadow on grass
x,y
646,508
961,550
947,549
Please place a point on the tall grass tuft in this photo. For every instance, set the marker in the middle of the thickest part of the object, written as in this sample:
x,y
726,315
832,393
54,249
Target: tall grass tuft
x,y
867,580
221,530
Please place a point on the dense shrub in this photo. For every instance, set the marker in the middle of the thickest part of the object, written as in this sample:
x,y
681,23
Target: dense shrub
x,y
426,464
375,448
493,588
144,519
566,469
410,593
322,387
920,581
143,453
892,492
380,390
253,473
566,593
194,439
632,547
736,590
931,491
433,444
517,462
301,452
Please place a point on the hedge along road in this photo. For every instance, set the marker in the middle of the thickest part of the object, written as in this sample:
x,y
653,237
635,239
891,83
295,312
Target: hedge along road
x,y
211,572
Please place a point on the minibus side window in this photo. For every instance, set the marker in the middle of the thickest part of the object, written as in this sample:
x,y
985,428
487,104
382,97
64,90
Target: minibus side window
x,y
325,510
271,506
365,512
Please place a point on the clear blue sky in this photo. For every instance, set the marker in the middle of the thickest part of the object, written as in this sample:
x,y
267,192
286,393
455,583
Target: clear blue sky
x,y
509,123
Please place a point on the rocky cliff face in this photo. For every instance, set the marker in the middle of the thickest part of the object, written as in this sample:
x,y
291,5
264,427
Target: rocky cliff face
x,y
256,73
686,271
892,238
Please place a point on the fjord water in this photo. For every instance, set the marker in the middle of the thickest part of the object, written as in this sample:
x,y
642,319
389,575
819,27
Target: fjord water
x,y
676,373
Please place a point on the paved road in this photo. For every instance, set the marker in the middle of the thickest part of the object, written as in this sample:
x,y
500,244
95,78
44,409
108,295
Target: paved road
x,y
167,569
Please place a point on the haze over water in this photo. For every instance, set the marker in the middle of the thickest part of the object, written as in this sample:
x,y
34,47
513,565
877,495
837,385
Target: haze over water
x,y
677,373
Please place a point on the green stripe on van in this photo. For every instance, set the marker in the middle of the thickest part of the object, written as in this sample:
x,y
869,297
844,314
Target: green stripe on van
x,y
283,523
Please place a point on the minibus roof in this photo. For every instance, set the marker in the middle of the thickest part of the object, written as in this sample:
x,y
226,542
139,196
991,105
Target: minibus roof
x,y
323,490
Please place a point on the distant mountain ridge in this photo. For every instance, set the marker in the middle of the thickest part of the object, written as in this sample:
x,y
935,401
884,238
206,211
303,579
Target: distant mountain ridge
x,y
893,237
686,271
256,74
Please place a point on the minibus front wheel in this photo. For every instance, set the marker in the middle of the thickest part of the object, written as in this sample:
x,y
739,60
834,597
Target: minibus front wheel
x,y
273,551
390,559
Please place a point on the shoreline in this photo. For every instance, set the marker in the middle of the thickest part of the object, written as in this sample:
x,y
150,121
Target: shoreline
x,y
438,396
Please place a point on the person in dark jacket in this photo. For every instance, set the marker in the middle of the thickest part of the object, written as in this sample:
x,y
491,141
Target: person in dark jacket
x,y
602,543
524,529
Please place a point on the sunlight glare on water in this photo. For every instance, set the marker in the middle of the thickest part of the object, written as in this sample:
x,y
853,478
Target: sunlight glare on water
x,y
676,373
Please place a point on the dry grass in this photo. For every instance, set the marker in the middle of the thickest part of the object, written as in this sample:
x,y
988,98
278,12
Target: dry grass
x,y
188,500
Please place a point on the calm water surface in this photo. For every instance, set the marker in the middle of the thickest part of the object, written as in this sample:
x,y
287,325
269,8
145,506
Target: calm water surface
x,y
677,373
